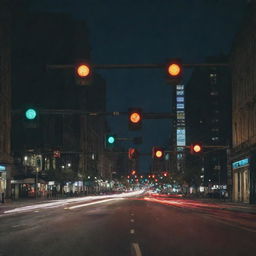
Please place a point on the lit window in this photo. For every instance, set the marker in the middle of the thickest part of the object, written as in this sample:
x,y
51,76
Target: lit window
x,y
214,93
180,92
180,106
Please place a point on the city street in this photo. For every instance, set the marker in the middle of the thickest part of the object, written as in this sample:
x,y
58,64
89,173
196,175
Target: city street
x,y
139,225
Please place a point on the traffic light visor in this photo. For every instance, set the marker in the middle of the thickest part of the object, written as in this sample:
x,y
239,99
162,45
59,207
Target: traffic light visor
x,y
174,69
83,70
135,117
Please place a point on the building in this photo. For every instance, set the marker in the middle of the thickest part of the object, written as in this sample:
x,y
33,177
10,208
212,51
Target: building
x,y
5,99
243,151
208,111
60,145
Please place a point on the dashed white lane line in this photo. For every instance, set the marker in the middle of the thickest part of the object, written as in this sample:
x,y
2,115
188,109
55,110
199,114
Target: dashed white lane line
x,y
132,214
136,249
132,220
132,231
36,211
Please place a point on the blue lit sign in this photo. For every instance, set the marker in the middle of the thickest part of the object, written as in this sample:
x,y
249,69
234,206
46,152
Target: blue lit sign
x,y
2,168
241,163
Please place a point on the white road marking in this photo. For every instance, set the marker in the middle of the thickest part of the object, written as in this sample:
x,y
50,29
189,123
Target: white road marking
x,y
36,211
98,202
136,249
132,214
132,220
132,231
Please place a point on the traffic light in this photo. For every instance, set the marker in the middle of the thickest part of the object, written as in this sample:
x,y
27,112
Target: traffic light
x,y
133,172
56,154
83,73
196,148
174,72
135,118
110,140
30,113
30,117
157,153
132,153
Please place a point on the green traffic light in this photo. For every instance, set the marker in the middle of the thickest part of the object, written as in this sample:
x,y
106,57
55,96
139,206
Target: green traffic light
x,y
111,139
30,114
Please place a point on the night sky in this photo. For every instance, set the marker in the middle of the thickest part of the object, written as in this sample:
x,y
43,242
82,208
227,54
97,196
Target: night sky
x,y
150,31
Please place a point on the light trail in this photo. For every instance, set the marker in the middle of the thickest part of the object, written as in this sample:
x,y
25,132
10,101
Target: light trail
x,y
64,202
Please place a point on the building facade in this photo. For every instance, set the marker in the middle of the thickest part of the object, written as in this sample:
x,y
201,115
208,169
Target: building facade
x,y
5,99
243,151
208,112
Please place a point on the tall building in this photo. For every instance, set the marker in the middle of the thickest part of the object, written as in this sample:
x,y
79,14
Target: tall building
x,y
60,145
208,111
243,153
5,99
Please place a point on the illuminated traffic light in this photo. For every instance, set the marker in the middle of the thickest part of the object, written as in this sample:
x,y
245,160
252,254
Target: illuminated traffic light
x,y
132,153
174,72
165,174
110,140
135,118
31,118
157,153
83,74
30,114
196,148
133,172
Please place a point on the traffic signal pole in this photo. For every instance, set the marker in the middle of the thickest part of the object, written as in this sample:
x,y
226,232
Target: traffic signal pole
x,y
135,66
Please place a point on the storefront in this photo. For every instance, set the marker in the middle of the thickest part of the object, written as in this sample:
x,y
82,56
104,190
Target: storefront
x,y
241,180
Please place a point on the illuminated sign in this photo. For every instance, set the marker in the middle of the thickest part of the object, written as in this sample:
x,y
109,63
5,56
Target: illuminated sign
x,y
181,136
180,99
241,163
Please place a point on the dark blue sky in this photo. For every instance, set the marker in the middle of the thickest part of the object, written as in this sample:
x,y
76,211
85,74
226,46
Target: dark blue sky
x,y
150,31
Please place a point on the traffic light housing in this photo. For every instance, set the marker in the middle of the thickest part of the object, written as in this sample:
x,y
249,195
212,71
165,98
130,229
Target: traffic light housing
x,y
157,153
135,118
83,73
110,140
30,118
132,153
196,148
174,72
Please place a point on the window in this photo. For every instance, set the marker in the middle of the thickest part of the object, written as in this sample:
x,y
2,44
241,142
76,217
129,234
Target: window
x,y
180,93
180,99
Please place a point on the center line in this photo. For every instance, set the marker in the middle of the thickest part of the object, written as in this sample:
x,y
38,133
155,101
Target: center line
x,y
132,220
132,231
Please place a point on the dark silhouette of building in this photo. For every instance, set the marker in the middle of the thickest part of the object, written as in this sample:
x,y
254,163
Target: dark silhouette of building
x,y
208,111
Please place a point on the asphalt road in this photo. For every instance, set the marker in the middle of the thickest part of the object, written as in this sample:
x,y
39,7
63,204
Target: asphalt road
x,y
124,227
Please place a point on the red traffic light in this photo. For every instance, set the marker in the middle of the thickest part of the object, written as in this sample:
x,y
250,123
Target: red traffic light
x,y
135,117
196,148
83,70
174,72
132,153
157,153
174,69
165,174
133,172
